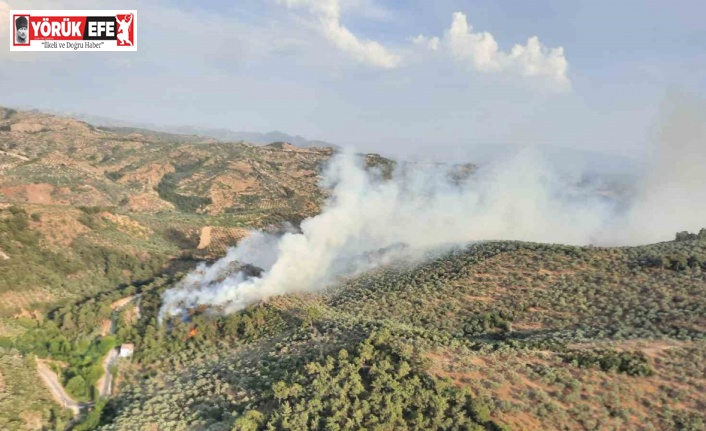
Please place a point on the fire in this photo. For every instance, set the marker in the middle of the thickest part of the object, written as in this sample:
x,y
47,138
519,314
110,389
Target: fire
x,y
193,332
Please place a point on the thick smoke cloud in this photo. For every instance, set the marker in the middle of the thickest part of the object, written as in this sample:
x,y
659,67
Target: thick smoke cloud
x,y
368,221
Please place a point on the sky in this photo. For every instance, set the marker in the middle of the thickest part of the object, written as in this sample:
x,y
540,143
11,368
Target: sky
x,y
394,77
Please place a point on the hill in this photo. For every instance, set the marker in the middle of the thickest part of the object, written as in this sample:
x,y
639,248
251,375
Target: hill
x,y
219,134
96,222
500,335
72,194
88,210
48,159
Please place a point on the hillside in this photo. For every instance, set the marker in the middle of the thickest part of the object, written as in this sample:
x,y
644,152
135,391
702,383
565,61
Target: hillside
x,y
53,160
86,210
73,195
96,223
501,335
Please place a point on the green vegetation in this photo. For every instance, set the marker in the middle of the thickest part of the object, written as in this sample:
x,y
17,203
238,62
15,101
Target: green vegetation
x,y
379,386
24,402
186,203
83,356
85,267
500,335
33,264
632,364
476,339
492,336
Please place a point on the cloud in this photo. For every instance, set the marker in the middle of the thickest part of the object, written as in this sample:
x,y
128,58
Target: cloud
x,y
427,42
480,52
327,14
367,9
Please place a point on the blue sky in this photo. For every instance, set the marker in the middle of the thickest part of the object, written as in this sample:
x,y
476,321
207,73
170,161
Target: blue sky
x,y
349,72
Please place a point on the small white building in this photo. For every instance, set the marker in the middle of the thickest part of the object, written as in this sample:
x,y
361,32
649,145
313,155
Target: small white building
x,y
126,350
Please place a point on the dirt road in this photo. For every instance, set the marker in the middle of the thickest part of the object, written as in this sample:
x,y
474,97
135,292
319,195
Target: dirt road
x,y
205,238
57,391
105,383
17,156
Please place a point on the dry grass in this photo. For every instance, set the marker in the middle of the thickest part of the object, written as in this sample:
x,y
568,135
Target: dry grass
x,y
520,380
148,202
58,225
127,225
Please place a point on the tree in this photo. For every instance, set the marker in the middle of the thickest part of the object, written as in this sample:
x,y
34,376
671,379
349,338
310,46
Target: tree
x,y
251,420
77,386
280,390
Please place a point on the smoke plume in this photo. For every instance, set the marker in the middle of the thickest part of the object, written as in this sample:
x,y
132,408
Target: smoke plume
x,y
369,221
672,196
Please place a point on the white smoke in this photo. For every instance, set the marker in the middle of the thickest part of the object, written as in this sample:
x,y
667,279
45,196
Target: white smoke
x,y
673,194
369,222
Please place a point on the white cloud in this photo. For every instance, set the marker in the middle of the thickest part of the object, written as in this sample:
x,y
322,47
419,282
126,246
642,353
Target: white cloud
x,y
480,49
327,14
481,52
535,59
428,42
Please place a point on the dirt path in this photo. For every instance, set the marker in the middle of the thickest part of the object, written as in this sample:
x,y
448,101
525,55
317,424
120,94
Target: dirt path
x,y
17,156
57,391
3,255
120,303
205,238
105,383
106,327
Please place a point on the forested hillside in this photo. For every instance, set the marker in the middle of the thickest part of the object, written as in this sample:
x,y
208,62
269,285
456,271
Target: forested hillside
x,y
500,335
95,224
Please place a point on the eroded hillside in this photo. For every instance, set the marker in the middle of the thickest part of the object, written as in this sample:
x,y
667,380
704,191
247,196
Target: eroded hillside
x,y
53,160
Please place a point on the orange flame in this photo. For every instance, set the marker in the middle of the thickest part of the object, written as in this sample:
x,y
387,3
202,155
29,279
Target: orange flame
x,y
193,332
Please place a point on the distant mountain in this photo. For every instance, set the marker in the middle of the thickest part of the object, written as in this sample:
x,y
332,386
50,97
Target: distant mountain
x,y
219,134
250,137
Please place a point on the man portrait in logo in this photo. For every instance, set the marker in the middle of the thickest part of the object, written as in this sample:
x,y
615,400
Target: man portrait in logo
x,y
21,30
